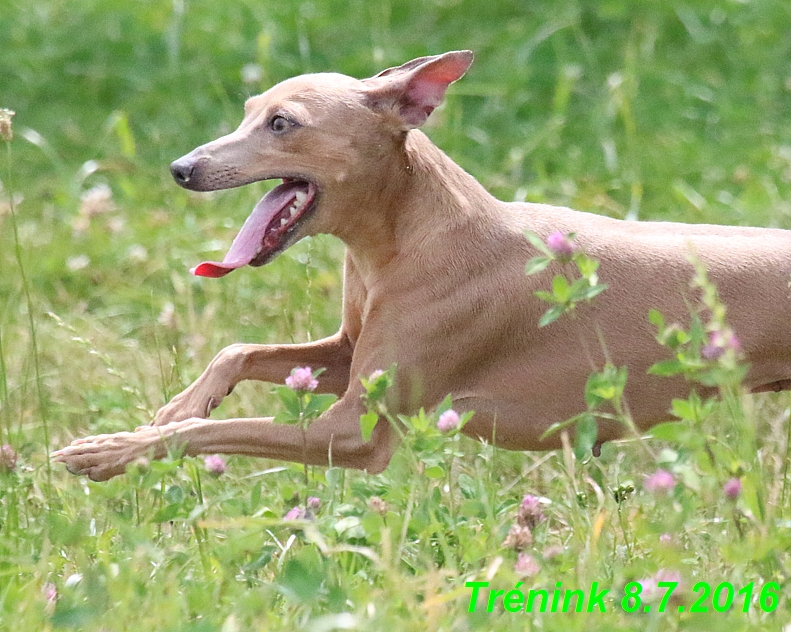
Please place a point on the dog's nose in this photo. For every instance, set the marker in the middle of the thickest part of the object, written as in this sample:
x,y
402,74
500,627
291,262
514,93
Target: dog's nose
x,y
182,170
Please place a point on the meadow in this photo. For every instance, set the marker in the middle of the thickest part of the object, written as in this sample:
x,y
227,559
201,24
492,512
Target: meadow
x,y
652,110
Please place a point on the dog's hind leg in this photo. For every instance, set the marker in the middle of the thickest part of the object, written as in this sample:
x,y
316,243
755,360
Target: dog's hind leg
x,y
266,363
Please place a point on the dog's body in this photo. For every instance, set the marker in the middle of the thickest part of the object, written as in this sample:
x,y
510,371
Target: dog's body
x,y
435,283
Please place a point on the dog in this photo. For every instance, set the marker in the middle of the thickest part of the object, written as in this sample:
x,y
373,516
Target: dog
x,y
434,283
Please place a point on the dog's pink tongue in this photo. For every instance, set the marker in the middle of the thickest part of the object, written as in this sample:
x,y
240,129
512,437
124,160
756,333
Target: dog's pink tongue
x,y
249,240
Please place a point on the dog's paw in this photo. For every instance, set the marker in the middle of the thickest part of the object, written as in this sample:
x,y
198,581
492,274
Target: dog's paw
x,y
102,457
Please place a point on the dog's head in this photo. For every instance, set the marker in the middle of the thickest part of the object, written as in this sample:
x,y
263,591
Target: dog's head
x,y
328,137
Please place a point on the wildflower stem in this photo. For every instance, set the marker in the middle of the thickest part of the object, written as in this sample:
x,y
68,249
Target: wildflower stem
x,y
303,424
31,319
137,507
401,436
197,482
4,403
625,531
451,506
160,502
304,461
737,522
407,517
309,290
623,415
200,539
785,467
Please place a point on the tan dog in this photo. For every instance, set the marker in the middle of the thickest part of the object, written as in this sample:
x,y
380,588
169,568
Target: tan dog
x,y
435,283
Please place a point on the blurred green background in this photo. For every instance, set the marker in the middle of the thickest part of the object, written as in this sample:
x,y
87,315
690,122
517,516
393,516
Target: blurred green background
x,y
656,109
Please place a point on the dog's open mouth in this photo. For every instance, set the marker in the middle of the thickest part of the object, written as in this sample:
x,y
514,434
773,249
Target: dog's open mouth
x,y
268,229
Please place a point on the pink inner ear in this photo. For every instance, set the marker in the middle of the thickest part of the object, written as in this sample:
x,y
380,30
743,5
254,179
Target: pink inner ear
x,y
427,85
421,99
426,93
417,87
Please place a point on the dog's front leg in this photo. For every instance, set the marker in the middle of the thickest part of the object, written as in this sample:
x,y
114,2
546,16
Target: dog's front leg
x,y
265,363
333,438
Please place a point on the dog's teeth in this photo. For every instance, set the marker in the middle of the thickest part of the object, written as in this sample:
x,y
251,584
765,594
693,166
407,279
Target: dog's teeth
x,y
301,196
283,222
292,211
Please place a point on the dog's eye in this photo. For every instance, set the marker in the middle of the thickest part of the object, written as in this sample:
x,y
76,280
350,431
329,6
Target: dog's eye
x,y
279,124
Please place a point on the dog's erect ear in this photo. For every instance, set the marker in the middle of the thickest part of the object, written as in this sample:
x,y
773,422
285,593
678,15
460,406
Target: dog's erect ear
x,y
413,90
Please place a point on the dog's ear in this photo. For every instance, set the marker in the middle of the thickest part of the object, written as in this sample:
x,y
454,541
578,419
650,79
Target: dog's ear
x,y
413,90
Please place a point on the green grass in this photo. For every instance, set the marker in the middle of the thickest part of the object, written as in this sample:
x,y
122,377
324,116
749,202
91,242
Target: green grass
x,y
651,110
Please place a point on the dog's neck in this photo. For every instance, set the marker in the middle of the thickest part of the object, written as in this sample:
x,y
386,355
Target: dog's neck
x,y
424,194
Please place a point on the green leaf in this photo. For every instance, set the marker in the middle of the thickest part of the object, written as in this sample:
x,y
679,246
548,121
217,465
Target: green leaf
x,y
465,418
534,239
345,524
373,524
421,421
467,485
667,456
561,288
607,385
367,424
684,409
174,494
551,315
375,389
435,471
445,405
301,581
656,319
588,292
406,421
586,265
350,528
673,337
721,376
290,399
697,331
472,508
666,368
545,296
559,425
585,437
707,406
536,265
285,417
599,394
261,561
689,476
166,514
318,403
673,431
